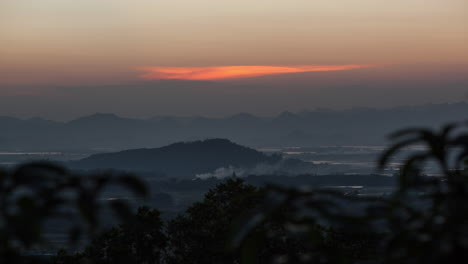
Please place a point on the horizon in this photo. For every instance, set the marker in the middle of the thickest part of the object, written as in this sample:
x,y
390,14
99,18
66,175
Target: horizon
x,y
271,116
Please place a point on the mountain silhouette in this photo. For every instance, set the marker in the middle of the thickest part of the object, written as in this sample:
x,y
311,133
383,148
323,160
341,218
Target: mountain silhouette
x,y
109,132
185,159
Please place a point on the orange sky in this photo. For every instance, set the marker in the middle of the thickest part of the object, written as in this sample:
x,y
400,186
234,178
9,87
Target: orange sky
x,y
104,41
234,72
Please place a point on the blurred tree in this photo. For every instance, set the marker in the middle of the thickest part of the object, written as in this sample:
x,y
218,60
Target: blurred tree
x,y
428,216
202,233
424,221
139,241
35,193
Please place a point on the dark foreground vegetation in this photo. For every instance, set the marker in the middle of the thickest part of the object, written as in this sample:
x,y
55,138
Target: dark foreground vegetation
x,y
424,221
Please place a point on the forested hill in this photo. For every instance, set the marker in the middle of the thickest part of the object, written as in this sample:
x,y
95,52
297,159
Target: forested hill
x,y
179,159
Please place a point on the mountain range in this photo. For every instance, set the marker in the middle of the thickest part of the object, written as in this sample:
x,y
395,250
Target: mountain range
x,y
109,132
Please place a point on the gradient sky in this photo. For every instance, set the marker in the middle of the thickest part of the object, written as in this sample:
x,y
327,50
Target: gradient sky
x,y
49,44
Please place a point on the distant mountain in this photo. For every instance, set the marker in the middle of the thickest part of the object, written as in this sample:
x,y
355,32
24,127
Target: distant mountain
x,y
184,159
108,132
101,119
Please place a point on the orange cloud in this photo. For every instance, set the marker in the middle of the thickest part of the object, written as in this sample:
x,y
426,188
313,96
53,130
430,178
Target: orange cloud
x,y
234,72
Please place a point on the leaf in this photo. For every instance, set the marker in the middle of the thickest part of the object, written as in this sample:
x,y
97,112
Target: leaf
x,y
26,203
74,234
447,129
87,209
37,174
419,132
460,140
134,184
385,157
411,170
462,158
250,249
122,210
100,181
245,227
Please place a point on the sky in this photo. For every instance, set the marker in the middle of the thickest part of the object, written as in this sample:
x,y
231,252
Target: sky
x,y
64,58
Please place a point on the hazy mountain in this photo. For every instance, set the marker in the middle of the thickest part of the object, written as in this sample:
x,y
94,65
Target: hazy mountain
x,y
184,159
108,132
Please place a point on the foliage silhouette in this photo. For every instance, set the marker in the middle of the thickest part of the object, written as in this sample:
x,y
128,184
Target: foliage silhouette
x,y
139,241
424,221
35,193
202,233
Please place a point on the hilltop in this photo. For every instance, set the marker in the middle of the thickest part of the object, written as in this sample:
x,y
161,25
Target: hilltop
x,y
183,159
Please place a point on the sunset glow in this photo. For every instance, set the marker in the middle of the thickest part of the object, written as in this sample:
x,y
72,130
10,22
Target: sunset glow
x,y
62,59
235,72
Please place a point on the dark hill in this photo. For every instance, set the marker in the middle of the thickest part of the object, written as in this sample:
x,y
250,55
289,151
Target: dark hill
x,y
180,159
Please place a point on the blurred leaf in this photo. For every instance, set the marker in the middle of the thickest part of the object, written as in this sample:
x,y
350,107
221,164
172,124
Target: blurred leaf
x,y
250,249
389,153
411,170
244,227
26,203
418,132
122,210
134,184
